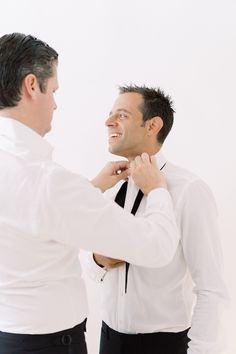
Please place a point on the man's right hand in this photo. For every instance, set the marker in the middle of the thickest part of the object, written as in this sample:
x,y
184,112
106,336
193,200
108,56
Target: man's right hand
x,y
107,262
146,174
111,174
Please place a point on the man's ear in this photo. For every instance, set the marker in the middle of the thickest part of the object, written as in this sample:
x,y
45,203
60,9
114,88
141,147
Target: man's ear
x,y
154,125
30,86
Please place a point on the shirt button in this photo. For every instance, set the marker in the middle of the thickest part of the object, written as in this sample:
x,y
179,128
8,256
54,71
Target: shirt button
x,y
66,339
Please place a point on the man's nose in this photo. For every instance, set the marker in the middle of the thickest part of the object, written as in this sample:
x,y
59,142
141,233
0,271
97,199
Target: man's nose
x,y
111,121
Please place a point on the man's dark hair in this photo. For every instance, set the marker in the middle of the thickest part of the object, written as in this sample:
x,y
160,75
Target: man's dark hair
x,y
21,55
155,103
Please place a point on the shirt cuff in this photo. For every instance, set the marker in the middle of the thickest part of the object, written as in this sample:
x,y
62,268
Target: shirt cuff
x,y
96,272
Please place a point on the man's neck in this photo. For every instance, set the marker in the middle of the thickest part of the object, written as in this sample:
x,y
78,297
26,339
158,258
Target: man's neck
x,y
13,113
152,151
21,115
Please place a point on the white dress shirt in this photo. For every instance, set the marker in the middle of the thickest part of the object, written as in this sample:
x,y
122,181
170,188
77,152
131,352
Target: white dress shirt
x,y
187,292
46,214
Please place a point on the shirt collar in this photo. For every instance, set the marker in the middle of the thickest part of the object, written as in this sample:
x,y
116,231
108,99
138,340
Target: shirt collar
x,y
21,140
161,160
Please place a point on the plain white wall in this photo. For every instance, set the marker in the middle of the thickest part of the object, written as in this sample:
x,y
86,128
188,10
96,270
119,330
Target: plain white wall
x,y
186,47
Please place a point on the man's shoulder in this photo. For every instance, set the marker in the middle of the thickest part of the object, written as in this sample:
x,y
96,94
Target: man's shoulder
x,y
181,181
175,173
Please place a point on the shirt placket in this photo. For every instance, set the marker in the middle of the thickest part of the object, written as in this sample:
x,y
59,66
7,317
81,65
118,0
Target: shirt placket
x,y
132,191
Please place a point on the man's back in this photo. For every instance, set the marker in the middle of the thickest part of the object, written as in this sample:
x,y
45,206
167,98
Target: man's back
x,y
33,268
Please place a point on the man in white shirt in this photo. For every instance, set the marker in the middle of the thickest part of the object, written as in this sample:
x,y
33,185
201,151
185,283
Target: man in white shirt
x,y
47,213
172,308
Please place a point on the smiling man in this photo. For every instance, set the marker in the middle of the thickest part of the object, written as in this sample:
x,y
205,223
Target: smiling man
x,y
131,133
173,308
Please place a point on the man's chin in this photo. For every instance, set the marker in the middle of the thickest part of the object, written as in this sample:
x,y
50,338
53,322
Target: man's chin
x,y
47,130
115,151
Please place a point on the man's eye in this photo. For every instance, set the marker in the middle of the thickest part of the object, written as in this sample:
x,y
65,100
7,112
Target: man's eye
x,y
122,116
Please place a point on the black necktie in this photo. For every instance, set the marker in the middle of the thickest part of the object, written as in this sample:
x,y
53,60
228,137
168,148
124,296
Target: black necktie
x,y
120,200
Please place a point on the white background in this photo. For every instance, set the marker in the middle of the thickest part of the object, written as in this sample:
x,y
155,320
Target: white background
x,y
186,47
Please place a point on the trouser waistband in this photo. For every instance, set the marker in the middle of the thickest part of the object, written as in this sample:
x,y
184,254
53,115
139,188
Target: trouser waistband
x,y
65,337
112,333
149,343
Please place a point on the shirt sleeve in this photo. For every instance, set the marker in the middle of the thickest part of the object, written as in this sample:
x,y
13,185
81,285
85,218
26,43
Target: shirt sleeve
x,y
91,268
70,210
202,251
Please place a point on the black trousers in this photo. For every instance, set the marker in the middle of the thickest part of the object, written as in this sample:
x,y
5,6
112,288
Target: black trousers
x,y
69,341
113,342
